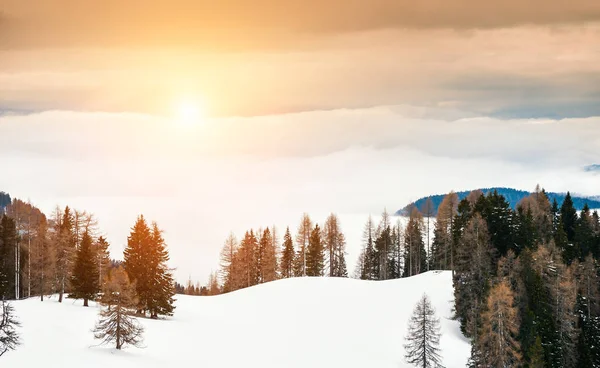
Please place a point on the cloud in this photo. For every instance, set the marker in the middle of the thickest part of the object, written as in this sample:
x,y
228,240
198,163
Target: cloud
x,y
242,24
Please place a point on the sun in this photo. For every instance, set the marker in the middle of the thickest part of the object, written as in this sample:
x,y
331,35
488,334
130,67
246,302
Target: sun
x,y
190,112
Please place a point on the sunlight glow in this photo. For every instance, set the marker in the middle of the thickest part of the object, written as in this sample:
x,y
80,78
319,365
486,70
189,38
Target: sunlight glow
x,y
190,112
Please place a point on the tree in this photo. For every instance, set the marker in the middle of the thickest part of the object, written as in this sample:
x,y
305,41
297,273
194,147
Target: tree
x,y
568,216
267,257
65,247
367,259
496,345
302,240
287,257
428,210
227,259
103,259
145,261
85,279
314,254
8,245
415,255
335,244
115,323
9,339
423,339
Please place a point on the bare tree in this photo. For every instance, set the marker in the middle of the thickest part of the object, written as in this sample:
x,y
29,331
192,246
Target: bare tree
x,y
9,339
427,210
423,339
116,323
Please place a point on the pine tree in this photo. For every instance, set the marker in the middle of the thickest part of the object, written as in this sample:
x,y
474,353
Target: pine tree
x,y
428,211
536,354
9,338
85,279
115,324
497,342
568,216
145,261
287,257
314,254
423,339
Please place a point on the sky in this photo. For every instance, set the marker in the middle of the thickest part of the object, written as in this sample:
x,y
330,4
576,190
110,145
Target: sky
x,y
211,117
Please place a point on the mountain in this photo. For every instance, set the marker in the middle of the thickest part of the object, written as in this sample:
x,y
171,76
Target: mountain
x,y
513,196
595,168
293,323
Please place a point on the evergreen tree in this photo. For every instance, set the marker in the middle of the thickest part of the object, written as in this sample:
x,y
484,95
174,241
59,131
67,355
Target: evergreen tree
x,y
85,277
287,257
536,354
335,244
115,323
8,245
568,216
314,254
9,338
65,248
427,210
145,261
423,339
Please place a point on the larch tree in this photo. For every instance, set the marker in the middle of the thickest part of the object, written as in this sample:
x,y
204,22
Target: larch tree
x,y
226,264
85,280
415,255
9,338
368,256
423,339
314,254
302,240
102,259
287,256
116,325
496,345
268,258
8,246
65,248
335,247
428,211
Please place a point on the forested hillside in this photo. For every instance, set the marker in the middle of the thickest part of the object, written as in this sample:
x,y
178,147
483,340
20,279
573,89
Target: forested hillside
x,y
512,196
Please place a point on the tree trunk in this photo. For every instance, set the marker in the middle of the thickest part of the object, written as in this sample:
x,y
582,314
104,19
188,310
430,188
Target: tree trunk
x,y
85,302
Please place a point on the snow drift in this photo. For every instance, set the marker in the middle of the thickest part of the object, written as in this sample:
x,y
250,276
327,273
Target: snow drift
x,y
302,322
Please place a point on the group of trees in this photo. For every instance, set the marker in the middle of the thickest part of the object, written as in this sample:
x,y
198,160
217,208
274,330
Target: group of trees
x,y
259,257
392,251
525,281
64,255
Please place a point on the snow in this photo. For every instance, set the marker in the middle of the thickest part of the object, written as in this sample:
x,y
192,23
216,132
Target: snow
x,y
302,322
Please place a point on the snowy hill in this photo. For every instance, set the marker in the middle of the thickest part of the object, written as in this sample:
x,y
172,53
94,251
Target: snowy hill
x,y
303,322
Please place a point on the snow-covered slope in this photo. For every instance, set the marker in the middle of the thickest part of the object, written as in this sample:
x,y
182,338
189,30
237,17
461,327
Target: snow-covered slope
x,y
304,322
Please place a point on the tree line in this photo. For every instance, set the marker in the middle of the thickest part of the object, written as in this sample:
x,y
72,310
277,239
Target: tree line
x,y
64,255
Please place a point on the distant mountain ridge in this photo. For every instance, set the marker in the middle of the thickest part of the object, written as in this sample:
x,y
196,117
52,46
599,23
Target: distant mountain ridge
x,y
595,168
513,196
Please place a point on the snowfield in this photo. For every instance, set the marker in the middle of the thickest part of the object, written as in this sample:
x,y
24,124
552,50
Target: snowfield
x,y
302,322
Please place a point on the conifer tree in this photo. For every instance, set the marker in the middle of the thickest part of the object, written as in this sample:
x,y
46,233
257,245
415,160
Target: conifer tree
x,y
115,323
314,254
423,339
8,244
227,265
268,258
415,255
536,354
85,279
302,240
162,285
335,244
103,259
428,211
9,338
65,248
287,256
497,345
568,216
